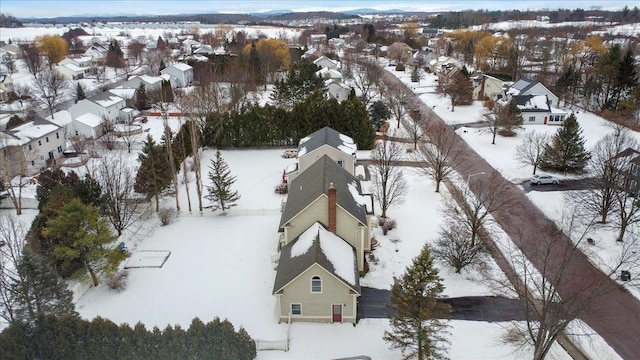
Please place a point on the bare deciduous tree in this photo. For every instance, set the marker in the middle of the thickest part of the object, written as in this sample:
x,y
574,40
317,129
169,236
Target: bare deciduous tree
x,y
196,113
397,96
367,78
609,165
117,180
168,138
389,185
414,128
14,168
49,88
439,155
529,151
552,293
108,138
454,247
13,239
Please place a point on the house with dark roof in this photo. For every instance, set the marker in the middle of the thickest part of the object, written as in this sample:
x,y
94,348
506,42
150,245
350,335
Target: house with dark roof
x,y
326,141
535,110
328,194
526,86
317,278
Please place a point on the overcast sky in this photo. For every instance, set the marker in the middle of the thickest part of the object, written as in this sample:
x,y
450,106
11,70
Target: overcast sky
x,y
54,8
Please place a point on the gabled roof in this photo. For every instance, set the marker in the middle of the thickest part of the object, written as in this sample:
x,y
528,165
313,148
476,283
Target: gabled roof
x,y
90,119
325,58
327,136
314,182
182,66
105,99
317,245
33,130
532,103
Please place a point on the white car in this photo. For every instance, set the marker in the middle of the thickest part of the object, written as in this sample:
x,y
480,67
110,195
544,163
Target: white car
x,y
540,179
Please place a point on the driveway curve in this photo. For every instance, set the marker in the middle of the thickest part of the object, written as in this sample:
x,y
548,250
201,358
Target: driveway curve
x,y
615,316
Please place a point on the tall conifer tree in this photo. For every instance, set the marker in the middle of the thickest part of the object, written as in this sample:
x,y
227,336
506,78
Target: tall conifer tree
x,y
566,151
220,192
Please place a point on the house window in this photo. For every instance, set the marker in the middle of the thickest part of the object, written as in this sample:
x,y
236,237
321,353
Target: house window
x,y
39,142
76,132
33,163
316,284
532,118
59,149
30,147
296,309
57,136
47,138
341,163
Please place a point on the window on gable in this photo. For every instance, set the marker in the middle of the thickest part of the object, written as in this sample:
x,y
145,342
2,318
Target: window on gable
x,y
47,138
296,309
39,142
341,163
33,163
532,118
316,284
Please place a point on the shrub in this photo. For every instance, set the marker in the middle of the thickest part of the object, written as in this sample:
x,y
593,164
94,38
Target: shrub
x,y
389,224
400,67
118,281
166,216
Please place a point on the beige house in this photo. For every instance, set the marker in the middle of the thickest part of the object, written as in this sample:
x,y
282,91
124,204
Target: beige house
x,y
6,86
485,86
326,141
317,278
329,194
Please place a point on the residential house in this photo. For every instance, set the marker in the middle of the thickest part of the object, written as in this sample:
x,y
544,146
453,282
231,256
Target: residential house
x,y
63,119
6,86
337,90
326,62
183,74
105,105
13,51
329,194
445,68
88,125
325,142
486,86
628,164
526,86
151,83
203,50
317,278
329,74
189,45
71,71
536,110
97,51
41,141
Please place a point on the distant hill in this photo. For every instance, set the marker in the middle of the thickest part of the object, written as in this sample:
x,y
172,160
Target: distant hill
x,y
367,11
312,15
8,21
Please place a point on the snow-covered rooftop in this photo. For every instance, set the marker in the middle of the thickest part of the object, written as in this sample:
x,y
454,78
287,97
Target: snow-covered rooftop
x,y
60,118
123,93
34,129
106,99
89,119
182,66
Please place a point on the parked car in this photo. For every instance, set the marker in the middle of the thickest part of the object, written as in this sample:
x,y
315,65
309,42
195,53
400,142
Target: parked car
x,y
290,153
541,179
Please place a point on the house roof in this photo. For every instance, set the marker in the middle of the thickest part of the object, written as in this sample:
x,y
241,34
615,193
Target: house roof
x,y
327,136
182,66
33,130
315,181
324,58
523,85
60,118
532,103
89,119
317,245
329,73
123,93
74,67
105,99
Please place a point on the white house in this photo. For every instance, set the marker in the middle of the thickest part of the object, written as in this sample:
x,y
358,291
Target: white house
x,y
337,90
526,86
40,140
190,44
326,73
6,86
71,72
151,83
105,105
325,62
183,73
88,125
536,110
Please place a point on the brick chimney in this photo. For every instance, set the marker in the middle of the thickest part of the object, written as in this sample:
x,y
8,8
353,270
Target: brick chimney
x,y
332,208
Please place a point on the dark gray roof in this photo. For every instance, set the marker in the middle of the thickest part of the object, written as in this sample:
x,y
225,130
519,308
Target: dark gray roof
x,y
324,136
314,181
524,84
525,104
290,267
104,95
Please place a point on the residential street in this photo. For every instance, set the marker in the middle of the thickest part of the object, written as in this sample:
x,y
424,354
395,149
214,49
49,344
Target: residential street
x,y
615,316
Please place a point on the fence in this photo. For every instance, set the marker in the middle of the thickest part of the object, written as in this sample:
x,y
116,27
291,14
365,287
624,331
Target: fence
x,y
282,345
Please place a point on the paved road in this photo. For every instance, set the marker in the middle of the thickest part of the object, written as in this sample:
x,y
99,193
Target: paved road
x,y
373,304
615,316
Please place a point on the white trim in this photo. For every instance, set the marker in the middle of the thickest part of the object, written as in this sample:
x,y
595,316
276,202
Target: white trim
x,y
311,284
341,312
291,309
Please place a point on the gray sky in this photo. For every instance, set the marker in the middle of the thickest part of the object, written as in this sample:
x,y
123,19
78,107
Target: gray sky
x,y
56,8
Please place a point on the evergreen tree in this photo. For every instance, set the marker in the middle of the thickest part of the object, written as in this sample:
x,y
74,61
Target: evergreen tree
x,y
115,56
38,291
79,93
417,327
566,151
220,192
379,113
153,175
141,98
14,121
83,236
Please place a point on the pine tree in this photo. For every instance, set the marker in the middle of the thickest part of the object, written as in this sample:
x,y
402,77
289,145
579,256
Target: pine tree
x,y
153,175
220,192
83,236
38,291
566,151
379,113
417,327
80,93
142,99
